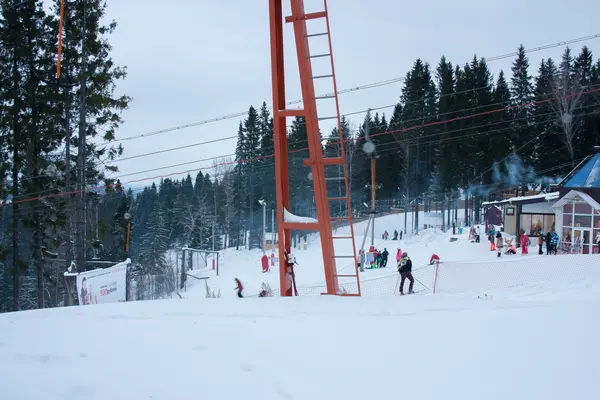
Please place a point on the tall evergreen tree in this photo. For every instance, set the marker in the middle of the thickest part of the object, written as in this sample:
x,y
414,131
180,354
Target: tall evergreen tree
x,y
522,97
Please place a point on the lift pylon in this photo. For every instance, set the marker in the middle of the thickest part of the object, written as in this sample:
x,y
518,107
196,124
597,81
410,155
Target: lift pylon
x,y
316,161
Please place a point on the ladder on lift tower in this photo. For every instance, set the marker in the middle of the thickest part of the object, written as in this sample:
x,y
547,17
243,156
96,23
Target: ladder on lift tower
x,y
319,164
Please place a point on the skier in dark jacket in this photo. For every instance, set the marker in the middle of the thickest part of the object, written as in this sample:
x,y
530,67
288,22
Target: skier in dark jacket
x,y
405,270
384,257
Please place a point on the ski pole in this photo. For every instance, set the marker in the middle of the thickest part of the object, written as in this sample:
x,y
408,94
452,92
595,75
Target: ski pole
x,y
421,283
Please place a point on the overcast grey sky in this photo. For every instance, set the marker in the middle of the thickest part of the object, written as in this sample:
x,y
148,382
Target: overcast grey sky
x,y
191,60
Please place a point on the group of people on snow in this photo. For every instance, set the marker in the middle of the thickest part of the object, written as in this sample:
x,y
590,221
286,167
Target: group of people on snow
x,y
397,236
550,239
373,259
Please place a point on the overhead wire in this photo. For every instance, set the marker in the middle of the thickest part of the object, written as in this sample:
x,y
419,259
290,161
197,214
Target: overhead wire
x,y
367,86
349,90
464,117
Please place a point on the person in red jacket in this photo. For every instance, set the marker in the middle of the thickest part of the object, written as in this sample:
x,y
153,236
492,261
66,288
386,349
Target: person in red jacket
x,y
434,259
239,287
524,243
265,263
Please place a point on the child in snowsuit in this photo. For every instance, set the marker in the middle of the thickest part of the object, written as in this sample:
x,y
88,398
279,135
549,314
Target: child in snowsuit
x,y
405,270
239,287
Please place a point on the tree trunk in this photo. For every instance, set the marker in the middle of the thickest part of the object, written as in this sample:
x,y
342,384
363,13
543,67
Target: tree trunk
x,y
39,263
81,159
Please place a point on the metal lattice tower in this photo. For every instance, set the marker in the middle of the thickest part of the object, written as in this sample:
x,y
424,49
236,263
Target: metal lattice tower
x,y
316,161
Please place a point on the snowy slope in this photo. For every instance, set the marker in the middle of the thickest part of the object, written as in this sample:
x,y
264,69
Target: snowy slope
x,y
419,347
310,277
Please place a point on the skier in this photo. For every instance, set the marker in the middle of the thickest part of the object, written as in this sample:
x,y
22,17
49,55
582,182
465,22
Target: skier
x,y
265,263
540,243
395,235
239,287
384,256
405,270
476,233
434,259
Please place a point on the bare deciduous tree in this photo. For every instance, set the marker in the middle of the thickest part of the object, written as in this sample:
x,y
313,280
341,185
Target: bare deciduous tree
x,y
566,97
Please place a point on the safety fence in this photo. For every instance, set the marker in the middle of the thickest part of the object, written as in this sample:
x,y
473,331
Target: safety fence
x,y
508,272
382,285
517,272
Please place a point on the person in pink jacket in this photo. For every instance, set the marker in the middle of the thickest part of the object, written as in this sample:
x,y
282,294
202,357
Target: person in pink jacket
x,y
398,256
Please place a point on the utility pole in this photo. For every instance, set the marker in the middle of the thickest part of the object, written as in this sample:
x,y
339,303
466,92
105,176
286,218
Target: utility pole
x,y
373,162
81,229
213,236
273,230
369,148
264,230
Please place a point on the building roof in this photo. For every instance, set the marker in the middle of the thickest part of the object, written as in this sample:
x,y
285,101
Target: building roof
x,y
584,175
574,195
537,198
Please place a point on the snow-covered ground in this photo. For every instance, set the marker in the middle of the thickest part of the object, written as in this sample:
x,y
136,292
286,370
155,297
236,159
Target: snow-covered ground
x,y
518,327
417,347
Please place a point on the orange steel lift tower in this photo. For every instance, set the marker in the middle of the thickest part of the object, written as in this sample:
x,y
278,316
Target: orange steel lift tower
x,y
316,161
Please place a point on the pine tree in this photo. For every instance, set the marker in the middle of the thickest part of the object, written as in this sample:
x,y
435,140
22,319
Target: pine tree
x,y
448,148
420,103
500,141
266,163
586,77
548,132
522,98
83,24
155,242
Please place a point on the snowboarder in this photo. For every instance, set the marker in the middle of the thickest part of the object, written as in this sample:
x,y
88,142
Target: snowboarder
x,y
239,287
384,256
405,270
